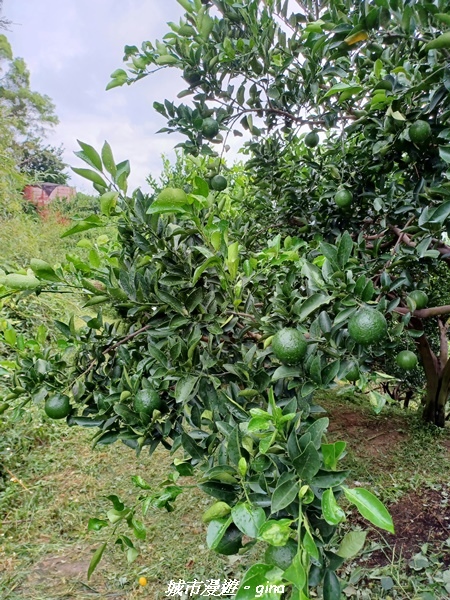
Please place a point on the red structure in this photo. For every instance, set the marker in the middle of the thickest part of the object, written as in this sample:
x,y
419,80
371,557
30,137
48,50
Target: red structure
x,y
42,194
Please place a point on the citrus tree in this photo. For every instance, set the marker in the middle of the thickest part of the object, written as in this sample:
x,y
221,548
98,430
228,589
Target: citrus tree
x,y
347,108
241,295
216,353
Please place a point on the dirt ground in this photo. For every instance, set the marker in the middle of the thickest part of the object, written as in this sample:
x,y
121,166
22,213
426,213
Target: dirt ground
x,y
421,516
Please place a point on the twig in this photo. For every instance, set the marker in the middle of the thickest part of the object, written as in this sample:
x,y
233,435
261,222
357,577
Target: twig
x,y
14,478
375,436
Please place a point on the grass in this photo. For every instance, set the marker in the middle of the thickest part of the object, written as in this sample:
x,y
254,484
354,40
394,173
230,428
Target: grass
x,y
59,484
56,482
52,482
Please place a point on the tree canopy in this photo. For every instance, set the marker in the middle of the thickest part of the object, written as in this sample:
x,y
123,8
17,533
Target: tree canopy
x,y
238,302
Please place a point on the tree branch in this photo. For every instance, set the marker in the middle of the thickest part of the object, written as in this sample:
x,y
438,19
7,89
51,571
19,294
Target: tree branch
x,y
442,248
425,313
443,343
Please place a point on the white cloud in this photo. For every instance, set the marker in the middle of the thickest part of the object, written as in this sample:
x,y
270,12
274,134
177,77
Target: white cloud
x,y
71,48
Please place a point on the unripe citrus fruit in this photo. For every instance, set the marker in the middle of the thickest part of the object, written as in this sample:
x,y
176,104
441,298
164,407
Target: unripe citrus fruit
x,y
281,556
419,132
216,511
192,76
353,373
58,406
219,183
175,195
367,326
419,297
210,128
406,360
343,198
289,345
311,139
146,401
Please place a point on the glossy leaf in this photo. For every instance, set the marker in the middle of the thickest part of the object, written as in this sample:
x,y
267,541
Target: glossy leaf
x,y
370,507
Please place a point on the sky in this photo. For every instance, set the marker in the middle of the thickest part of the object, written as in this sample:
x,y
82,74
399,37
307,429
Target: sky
x,y
71,47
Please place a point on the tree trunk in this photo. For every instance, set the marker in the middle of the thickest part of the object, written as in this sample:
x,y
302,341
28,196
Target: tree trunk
x,y
438,383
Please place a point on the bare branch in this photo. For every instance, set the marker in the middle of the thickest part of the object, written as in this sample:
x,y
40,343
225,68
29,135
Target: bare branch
x,y
443,343
425,313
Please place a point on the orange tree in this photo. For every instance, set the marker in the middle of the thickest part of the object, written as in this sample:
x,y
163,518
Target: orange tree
x,y
372,80
202,281
189,365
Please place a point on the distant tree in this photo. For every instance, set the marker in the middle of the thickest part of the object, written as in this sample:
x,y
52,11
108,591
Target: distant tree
x,y
43,163
4,23
29,112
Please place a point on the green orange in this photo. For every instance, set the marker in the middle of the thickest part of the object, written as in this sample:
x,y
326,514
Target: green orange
x,y
210,128
58,406
367,326
343,198
353,373
419,132
219,183
146,401
289,346
406,360
311,139
420,298
172,195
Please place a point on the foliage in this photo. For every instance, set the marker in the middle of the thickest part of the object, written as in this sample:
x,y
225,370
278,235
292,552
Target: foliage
x,y
30,112
247,425
202,283
43,163
362,77
11,180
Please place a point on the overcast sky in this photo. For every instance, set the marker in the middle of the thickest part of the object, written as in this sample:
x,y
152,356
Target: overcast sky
x,y
71,47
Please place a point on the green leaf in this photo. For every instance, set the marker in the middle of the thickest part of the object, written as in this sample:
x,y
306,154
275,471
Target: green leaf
x,y
344,249
296,573
331,586
93,156
441,213
248,519
284,495
108,201
285,371
276,532
166,207
308,463
172,301
311,304
89,223
193,449
140,482
332,512
108,159
96,558
139,529
91,176
184,388
97,524
216,530
260,575
209,262
43,270
370,507
352,543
